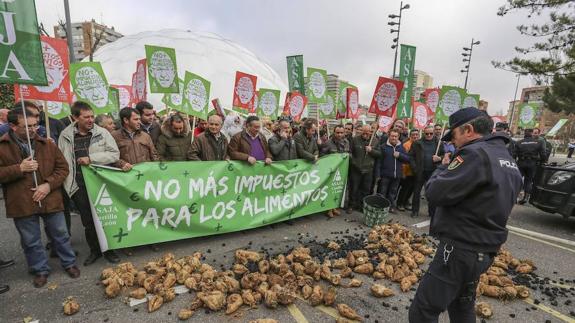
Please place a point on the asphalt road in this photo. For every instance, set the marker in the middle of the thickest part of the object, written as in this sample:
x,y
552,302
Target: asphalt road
x,y
554,260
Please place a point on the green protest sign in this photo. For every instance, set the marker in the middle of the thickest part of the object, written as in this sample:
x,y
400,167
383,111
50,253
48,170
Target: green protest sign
x,y
556,128
406,74
268,103
57,110
90,85
316,85
162,69
295,73
527,115
471,101
327,109
196,95
174,100
450,100
165,201
21,59
115,97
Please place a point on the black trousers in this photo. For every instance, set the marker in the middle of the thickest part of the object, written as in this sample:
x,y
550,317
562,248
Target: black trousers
x,y
449,286
82,202
527,169
406,187
416,200
361,187
570,152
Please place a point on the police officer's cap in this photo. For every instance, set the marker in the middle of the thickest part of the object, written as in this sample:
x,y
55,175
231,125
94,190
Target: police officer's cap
x,y
460,118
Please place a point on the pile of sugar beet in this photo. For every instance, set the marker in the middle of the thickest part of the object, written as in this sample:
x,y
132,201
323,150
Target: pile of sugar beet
x,y
311,273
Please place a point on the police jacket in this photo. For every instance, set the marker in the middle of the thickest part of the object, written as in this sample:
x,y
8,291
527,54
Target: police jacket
x,y
530,148
474,195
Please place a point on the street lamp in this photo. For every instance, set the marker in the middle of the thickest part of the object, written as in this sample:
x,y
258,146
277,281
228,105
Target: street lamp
x,y
467,52
396,39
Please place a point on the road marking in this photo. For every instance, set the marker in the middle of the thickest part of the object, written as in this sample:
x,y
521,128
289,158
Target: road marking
x,y
422,224
549,310
560,285
297,314
542,241
333,313
547,237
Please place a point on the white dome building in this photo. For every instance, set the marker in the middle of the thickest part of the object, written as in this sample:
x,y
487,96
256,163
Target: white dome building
x,y
206,54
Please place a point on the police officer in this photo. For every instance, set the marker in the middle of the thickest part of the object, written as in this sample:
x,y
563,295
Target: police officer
x,y
504,127
529,152
474,195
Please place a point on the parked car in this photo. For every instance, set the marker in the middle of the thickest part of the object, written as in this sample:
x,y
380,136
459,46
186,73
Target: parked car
x,y
554,189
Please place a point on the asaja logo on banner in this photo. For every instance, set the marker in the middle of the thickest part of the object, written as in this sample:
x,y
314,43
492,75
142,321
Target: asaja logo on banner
x,y
105,208
337,183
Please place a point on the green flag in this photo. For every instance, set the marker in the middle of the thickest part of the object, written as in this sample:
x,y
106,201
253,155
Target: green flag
x,y
90,85
295,73
528,115
21,59
471,101
57,110
165,201
115,97
196,95
162,69
327,110
450,100
316,85
268,103
174,100
406,71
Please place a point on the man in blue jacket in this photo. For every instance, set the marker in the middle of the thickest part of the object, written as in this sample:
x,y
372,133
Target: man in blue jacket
x,y
392,156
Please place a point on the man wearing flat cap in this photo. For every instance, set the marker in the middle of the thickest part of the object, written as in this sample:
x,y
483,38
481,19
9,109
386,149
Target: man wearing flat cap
x,y
474,194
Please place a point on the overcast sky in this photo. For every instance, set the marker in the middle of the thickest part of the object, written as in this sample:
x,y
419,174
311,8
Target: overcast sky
x,y
347,38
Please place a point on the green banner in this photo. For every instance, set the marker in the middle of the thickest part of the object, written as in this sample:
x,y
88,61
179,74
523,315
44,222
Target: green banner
x,y
471,101
162,69
527,115
316,85
174,100
57,110
450,100
21,59
268,102
295,73
90,85
556,128
406,74
327,109
196,95
165,201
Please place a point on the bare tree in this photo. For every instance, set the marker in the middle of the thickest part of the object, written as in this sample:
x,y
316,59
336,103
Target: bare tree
x,y
62,25
43,30
95,42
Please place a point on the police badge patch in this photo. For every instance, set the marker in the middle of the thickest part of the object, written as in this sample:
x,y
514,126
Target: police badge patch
x,y
455,163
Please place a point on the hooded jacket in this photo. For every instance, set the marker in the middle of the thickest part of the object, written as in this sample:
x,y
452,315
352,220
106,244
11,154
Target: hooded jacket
x,y
171,147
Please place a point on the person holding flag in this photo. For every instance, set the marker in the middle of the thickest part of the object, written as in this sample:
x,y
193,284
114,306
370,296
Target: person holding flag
x,y
31,174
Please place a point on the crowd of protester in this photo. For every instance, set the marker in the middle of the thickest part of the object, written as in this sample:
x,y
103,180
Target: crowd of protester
x,y
46,180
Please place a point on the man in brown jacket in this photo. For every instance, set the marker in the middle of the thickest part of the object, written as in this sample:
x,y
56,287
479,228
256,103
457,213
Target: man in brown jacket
x,y
250,145
210,144
26,203
176,138
135,145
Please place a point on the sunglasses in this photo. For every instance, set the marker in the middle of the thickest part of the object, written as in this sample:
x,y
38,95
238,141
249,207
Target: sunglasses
x,y
429,133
